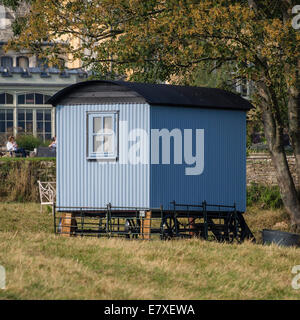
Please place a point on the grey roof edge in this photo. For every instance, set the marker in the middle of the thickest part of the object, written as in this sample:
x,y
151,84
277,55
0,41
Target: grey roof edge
x,y
39,70
172,95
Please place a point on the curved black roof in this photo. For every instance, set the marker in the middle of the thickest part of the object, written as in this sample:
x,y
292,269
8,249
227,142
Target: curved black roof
x,y
171,95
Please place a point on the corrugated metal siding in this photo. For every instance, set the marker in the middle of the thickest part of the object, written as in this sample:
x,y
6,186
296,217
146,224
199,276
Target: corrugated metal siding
x,y
223,180
89,183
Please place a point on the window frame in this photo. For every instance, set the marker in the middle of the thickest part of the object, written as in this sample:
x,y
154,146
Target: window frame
x,y
6,120
43,134
103,156
45,99
26,121
25,58
5,99
2,59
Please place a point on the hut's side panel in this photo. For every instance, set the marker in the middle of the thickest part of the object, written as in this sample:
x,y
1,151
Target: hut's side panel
x,y
88,183
223,180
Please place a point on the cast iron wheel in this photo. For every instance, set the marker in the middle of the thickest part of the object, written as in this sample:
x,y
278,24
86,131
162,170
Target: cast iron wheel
x,y
237,229
234,229
131,229
169,227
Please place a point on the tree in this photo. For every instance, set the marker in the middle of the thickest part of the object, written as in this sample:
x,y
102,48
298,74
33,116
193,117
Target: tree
x,y
169,39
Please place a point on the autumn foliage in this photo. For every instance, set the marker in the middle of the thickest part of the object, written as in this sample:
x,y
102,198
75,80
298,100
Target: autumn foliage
x,y
171,39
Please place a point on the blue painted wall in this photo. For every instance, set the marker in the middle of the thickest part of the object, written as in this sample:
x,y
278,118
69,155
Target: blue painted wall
x,y
85,183
223,180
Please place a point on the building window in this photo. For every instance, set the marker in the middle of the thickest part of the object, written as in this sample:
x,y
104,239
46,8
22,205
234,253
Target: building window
x,y
32,116
244,88
6,98
23,62
6,124
43,124
102,135
6,62
32,98
25,121
42,63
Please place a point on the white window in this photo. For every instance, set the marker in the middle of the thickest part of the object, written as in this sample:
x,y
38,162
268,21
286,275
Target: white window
x,y
103,135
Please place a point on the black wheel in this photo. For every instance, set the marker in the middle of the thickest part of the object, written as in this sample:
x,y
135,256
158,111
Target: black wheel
x,y
234,230
131,228
168,228
237,229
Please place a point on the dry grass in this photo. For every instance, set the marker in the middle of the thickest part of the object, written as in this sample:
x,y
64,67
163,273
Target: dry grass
x,y
41,265
259,219
18,178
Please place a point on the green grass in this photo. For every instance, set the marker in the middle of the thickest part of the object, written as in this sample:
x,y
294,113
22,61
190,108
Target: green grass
x,y
40,265
267,197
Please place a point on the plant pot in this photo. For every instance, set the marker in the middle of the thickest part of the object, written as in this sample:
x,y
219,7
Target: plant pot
x,y
281,238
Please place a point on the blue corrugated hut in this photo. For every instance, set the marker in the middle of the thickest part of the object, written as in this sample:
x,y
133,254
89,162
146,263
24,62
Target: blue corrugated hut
x,y
145,145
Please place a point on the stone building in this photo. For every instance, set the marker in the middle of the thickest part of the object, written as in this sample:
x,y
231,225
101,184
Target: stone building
x,y
26,83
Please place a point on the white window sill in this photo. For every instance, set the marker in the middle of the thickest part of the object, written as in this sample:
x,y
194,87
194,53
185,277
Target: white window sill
x,y
102,159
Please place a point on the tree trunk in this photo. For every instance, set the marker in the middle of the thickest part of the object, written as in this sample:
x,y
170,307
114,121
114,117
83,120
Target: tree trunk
x,y
293,90
287,187
294,127
274,135
292,72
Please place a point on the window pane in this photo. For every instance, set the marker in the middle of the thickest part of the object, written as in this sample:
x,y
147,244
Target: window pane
x,y
39,98
21,99
21,114
29,98
21,126
2,115
108,143
28,115
98,143
47,126
107,123
6,62
9,124
2,98
40,115
9,115
102,140
9,127
29,127
48,115
39,126
9,99
2,126
46,98
97,125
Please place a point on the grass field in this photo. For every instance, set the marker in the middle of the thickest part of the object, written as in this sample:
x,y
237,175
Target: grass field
x,y
40,265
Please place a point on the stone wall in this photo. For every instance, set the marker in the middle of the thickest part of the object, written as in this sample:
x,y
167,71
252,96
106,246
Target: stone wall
x,y
18,179
260,169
